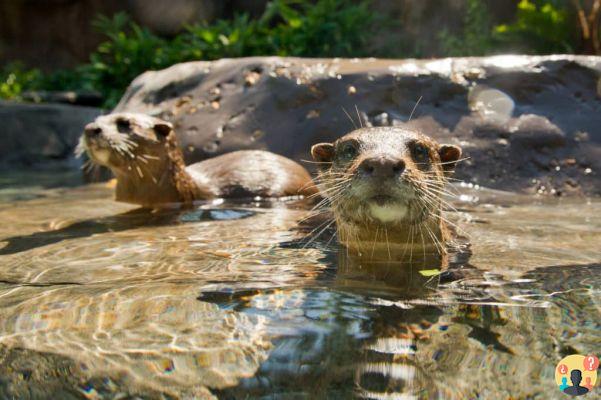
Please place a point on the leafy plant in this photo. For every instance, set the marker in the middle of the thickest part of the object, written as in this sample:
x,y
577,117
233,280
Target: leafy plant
x,y
14,79
238,37
540,27
287,27
316,28
328,28
129,51
476,38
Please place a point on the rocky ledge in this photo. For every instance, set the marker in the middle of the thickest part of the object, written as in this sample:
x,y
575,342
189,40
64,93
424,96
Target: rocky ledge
x,y
34,134
531,124
526,123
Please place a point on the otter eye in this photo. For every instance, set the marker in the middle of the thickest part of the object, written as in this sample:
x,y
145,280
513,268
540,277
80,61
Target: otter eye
x,y
348,151
420,153
123,125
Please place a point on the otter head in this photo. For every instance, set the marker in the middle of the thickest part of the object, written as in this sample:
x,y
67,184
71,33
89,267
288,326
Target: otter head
x,y
385,185
143,153
128,143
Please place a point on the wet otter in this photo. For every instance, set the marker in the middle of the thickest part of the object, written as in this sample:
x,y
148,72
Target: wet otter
x,y
143,154
385,187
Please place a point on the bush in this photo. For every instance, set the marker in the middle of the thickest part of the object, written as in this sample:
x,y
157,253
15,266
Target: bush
x,y
304,28
540,27
476,38
287,28
14,78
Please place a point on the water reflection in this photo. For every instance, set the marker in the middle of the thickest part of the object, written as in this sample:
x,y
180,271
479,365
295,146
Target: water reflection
x,y
343,344
234,301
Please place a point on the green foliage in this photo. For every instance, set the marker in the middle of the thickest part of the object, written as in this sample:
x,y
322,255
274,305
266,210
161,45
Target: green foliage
x,y
540,27
238,37
304,28
476,38
288,27
328,28
129,51
14,79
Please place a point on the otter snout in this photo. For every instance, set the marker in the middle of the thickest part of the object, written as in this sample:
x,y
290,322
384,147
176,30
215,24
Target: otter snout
x,y
92,130
381,167
96,144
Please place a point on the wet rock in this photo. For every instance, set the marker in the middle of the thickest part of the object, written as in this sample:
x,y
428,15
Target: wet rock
x,y
511,114
78,98
40,133
536,132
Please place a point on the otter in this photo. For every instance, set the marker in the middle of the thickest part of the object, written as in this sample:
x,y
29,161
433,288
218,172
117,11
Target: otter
x,y
143,154
385,186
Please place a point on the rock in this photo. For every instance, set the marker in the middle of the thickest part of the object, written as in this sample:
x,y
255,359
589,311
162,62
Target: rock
x,y
512,117
536,132
168,18
38,133
79,98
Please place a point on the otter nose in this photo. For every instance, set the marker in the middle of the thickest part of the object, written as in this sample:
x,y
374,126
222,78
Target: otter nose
x,y
382,167
92,130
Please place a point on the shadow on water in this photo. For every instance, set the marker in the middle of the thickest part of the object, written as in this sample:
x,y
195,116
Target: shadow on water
x,y
133,219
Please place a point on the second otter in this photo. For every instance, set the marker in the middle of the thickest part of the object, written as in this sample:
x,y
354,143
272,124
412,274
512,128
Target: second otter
x,y
385,188
143,154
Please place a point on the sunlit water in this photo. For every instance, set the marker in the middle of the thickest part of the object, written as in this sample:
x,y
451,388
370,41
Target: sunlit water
x,y
98,300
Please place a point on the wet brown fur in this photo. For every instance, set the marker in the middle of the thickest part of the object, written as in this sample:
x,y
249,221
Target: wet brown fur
x,y
387,217
144,155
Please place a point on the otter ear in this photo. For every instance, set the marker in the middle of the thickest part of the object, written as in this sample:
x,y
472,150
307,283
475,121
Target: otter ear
x,y
163,129
323,152
449,155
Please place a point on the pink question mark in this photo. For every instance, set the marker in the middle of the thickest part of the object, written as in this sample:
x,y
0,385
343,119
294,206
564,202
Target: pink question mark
x,y
591,363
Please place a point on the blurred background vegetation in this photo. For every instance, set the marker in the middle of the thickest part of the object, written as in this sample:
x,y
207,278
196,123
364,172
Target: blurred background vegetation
x,y
121,47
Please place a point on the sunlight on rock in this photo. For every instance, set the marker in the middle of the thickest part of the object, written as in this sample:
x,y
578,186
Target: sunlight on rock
x,y
492,104
508,61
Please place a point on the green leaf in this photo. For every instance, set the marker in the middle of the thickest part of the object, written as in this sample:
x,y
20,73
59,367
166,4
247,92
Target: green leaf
x,y
429,272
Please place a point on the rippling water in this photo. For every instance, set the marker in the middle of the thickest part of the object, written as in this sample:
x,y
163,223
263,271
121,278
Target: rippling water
x,y
99,300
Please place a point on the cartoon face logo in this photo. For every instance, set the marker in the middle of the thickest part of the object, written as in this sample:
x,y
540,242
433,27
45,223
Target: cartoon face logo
x,y
576,375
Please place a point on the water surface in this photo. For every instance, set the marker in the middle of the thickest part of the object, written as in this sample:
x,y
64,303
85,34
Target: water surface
x,y
100,300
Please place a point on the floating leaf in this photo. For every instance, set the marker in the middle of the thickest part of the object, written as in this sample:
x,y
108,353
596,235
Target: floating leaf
x,y
429,272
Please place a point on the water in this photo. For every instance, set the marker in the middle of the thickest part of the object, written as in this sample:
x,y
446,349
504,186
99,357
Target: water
x,y
99,300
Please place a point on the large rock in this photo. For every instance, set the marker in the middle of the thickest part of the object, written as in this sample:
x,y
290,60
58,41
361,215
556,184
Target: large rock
x,y
34,134
524,122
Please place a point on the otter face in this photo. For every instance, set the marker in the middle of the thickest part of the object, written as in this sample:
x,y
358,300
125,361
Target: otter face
x,y
127,141
384,176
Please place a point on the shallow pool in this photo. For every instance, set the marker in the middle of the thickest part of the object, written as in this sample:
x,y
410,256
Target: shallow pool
x,y
99,300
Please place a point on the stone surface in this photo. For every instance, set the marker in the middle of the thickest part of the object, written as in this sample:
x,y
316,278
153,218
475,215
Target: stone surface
x,y
34,134
525,123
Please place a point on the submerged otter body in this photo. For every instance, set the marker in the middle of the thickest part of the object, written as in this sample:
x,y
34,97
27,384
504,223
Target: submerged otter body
x,y
385,187
143,154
